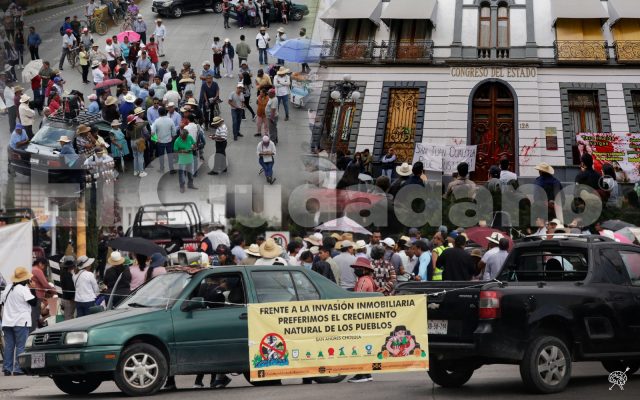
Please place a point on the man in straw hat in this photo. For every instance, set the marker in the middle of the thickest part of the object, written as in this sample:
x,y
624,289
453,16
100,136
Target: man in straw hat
x,y
163,132
220,138
86,286
236,102
27,114
160,33
253,254
344,260
262,43
403,171
282,83
549,184
117,278
280,39
17,301
270,253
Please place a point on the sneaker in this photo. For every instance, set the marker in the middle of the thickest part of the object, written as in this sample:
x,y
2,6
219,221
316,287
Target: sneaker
x,y
255,117
142,174
240,135
192,187
360,379
198,386
181,190
136,173
212,173
257,135
223,383
173,172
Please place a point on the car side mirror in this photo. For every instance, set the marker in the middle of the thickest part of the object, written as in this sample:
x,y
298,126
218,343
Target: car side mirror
x,y
196,303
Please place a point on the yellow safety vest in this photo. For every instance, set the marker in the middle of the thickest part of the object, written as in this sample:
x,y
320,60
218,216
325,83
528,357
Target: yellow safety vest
x,y
437,273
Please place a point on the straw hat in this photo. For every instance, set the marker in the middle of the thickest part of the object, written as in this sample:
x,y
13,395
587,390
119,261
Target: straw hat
x,y
347,236
281,30
313,239
95,64
116,123
115,259
362,262
82,129
64,139
83,262
253,250
270,249
217,121
495,237
110,101
24,98
345,244
138,111
336,236
314,250
21,274
476,253
186,80
544,167
360,244
159,20
283,71
404,169
226,40
192,102
130,97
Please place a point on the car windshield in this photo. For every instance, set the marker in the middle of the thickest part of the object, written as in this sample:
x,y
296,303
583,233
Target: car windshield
x,y
161,291
49,135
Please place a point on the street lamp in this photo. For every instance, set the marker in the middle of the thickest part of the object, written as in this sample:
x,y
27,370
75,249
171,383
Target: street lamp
x,y
343,91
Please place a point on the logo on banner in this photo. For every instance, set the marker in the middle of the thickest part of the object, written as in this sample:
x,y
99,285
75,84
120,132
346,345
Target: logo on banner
x,y
273,352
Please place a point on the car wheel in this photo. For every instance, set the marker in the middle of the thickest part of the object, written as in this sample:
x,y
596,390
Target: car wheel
x,y
329,379
76,386
449,376
274,382
141,371
621,365
176,12
217,6
546,367
297,16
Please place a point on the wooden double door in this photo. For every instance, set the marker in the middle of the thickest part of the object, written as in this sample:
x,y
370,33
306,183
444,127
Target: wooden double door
x,y
493,127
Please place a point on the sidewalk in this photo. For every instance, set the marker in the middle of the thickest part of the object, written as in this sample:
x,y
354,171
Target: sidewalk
x,y
9,383
45,5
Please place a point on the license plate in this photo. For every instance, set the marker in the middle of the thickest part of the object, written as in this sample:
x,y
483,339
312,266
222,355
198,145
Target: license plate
x,y
34,161
37,360
438,327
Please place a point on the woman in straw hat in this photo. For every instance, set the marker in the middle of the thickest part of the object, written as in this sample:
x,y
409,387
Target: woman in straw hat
x,y
17,300
220,138
118,277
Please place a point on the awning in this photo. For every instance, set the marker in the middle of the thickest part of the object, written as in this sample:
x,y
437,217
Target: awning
x,y
623,9
353,9
406,9
578,9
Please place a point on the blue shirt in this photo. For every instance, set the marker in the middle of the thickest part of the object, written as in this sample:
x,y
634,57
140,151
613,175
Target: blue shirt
x,y
208,72
125,110
94,108
135,89
425,266
152,115
70,156
143,94
34,39
16,138
176,118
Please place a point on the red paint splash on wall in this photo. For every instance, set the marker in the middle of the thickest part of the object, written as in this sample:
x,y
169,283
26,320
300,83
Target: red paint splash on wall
x,y
525,153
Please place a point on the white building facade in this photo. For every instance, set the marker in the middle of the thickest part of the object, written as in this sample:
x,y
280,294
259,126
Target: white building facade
x,y
518,78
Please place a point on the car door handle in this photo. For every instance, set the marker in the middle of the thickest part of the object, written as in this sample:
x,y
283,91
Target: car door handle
x,y
243,316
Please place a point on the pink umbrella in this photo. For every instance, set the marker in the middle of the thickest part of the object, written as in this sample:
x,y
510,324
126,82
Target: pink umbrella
x,y
107,83
622,238
133,36
344,224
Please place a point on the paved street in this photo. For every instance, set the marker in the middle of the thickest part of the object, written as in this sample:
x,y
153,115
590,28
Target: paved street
x,y
495,382
189,39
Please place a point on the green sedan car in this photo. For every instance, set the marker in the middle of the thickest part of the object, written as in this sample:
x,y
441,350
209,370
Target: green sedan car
x,y
182,323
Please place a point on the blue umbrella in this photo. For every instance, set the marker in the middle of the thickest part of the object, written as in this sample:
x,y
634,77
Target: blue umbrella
x,y
299,50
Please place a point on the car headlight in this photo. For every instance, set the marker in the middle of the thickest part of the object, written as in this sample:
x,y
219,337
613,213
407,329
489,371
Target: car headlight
x,y
29,342
76,338
167,3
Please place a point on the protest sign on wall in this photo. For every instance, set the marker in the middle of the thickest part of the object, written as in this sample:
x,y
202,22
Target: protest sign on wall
x,y
622,150
444,158
337,337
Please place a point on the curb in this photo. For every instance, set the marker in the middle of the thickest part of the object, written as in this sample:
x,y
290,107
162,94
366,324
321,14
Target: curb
x,y
37,9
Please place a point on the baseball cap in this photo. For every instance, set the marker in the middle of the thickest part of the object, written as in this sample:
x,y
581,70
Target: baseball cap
x,y
389,242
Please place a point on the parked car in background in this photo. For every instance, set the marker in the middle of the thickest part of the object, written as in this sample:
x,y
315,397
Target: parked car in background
x,y
177,8
296,11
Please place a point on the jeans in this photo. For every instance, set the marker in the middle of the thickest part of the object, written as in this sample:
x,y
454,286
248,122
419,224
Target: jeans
x,y
262,57
34,52
85,73
65,51
262,126
387,172
13,115
267,167
226,21
284,99
185,172
143,37
247,106
162,149
273,129
15,338
216,70
82,308
241,20
138,158
236,116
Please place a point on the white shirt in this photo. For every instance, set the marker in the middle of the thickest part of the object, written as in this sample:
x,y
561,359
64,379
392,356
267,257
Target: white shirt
x,y
26,114
506,177
408,263
9,94
217,237
192,128
488,254
109,50
160,32
16,312
282,84
91,8
98,76
263,40
171,97
494,264
68,40
86,286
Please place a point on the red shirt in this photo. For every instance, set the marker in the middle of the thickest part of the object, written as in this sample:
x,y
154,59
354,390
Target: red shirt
x,y
36,82
40,283
152,52
366,284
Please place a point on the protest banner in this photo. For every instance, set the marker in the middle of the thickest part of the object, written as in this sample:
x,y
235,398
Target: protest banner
x,y
622,150
337,337
444,158
16,242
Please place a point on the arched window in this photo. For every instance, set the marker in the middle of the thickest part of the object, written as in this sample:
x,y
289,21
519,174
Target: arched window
x,y
484,37
503,27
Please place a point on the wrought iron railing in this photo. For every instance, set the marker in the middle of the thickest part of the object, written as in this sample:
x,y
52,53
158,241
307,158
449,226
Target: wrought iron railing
x,y
627,51
405,51
581,50
348,50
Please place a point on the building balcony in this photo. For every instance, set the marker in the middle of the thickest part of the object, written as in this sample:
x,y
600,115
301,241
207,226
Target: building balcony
x,y
348,51
581,51
417,51
627,51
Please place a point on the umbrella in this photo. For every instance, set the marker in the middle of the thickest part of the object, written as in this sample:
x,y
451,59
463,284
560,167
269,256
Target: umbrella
x,y
622,239
616,225
336,200
108,83
632,234
137,245
31,70
479,235
131,35
343,224
299,50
